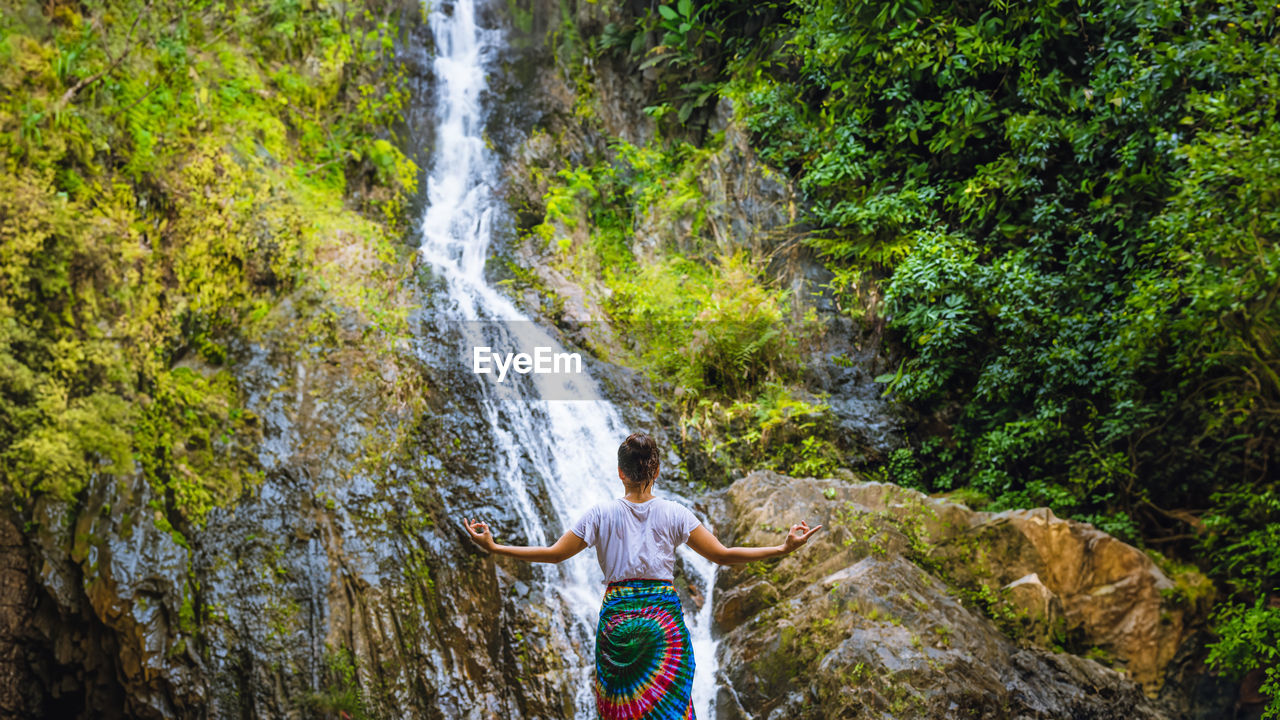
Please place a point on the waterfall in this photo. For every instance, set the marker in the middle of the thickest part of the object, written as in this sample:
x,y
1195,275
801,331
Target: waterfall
x,y
553,434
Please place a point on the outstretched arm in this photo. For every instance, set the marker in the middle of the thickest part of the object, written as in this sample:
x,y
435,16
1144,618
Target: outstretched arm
x,y
706,545
566,547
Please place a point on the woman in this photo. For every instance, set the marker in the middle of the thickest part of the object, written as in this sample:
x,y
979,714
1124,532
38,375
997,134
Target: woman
x,y
644,659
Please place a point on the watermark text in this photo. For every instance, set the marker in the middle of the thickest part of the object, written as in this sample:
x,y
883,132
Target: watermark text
x,y
543,360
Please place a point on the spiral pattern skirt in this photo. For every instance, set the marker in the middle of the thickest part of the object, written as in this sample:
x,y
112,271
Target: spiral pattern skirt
x,y
644,658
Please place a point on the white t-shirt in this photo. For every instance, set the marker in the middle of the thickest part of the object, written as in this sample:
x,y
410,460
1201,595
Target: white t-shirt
x,y
636,540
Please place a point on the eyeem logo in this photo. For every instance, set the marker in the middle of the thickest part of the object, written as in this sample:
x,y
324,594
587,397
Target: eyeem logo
x,y
544,360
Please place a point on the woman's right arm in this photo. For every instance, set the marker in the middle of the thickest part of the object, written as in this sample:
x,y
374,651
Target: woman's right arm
x,y
566,547
706,545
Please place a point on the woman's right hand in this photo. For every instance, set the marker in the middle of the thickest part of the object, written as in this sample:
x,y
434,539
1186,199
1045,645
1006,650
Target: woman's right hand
x,y
483,539
798,536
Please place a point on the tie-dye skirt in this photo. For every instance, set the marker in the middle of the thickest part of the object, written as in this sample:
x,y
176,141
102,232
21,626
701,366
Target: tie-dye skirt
x,y
644,659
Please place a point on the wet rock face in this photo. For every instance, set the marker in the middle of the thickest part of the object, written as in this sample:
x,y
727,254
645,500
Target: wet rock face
x,y
340,584
867,620
16,595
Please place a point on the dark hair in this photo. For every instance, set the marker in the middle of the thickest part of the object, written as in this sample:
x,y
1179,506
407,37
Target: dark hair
x,y
638,459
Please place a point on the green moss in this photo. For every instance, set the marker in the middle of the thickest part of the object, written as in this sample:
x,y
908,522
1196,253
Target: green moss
x,y
187,612
1100,655
994,604
971,498
155,215
1191,589
341,694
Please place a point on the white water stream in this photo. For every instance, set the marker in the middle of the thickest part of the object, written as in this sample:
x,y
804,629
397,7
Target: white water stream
x,y
569,445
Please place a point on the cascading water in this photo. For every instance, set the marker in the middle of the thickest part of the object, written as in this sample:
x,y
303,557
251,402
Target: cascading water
x,y
533,421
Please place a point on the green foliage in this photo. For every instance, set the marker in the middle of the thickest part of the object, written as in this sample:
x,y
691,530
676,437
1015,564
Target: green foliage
x,y
192,440
720,339
993,603
170,174
718,335
904,469
1243,542
1081,234
1192,589
716,329
590,210
1251,641
341,694
774,429
682,28
686,48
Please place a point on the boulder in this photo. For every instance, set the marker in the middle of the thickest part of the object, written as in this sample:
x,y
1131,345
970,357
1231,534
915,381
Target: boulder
x,y
1113,597
882,638
910,606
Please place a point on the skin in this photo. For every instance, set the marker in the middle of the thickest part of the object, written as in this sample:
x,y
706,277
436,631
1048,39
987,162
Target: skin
x,y
701,539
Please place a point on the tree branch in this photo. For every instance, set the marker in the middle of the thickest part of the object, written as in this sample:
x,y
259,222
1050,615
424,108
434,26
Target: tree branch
x,y
86,82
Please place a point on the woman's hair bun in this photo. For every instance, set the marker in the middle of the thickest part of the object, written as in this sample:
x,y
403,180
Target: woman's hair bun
x,y
638,458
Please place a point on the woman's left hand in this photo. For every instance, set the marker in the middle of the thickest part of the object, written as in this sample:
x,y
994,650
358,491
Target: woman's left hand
x,y
799,535
483,539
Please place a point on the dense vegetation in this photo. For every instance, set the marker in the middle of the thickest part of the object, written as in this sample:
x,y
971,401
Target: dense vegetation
x,y
720,337
171,173
1072,208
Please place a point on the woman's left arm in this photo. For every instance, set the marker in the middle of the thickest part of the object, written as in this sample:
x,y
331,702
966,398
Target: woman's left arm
x,y
566,547
706,545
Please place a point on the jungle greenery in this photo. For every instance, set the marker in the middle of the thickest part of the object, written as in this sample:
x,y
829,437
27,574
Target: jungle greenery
x,y
172,173
1073,209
